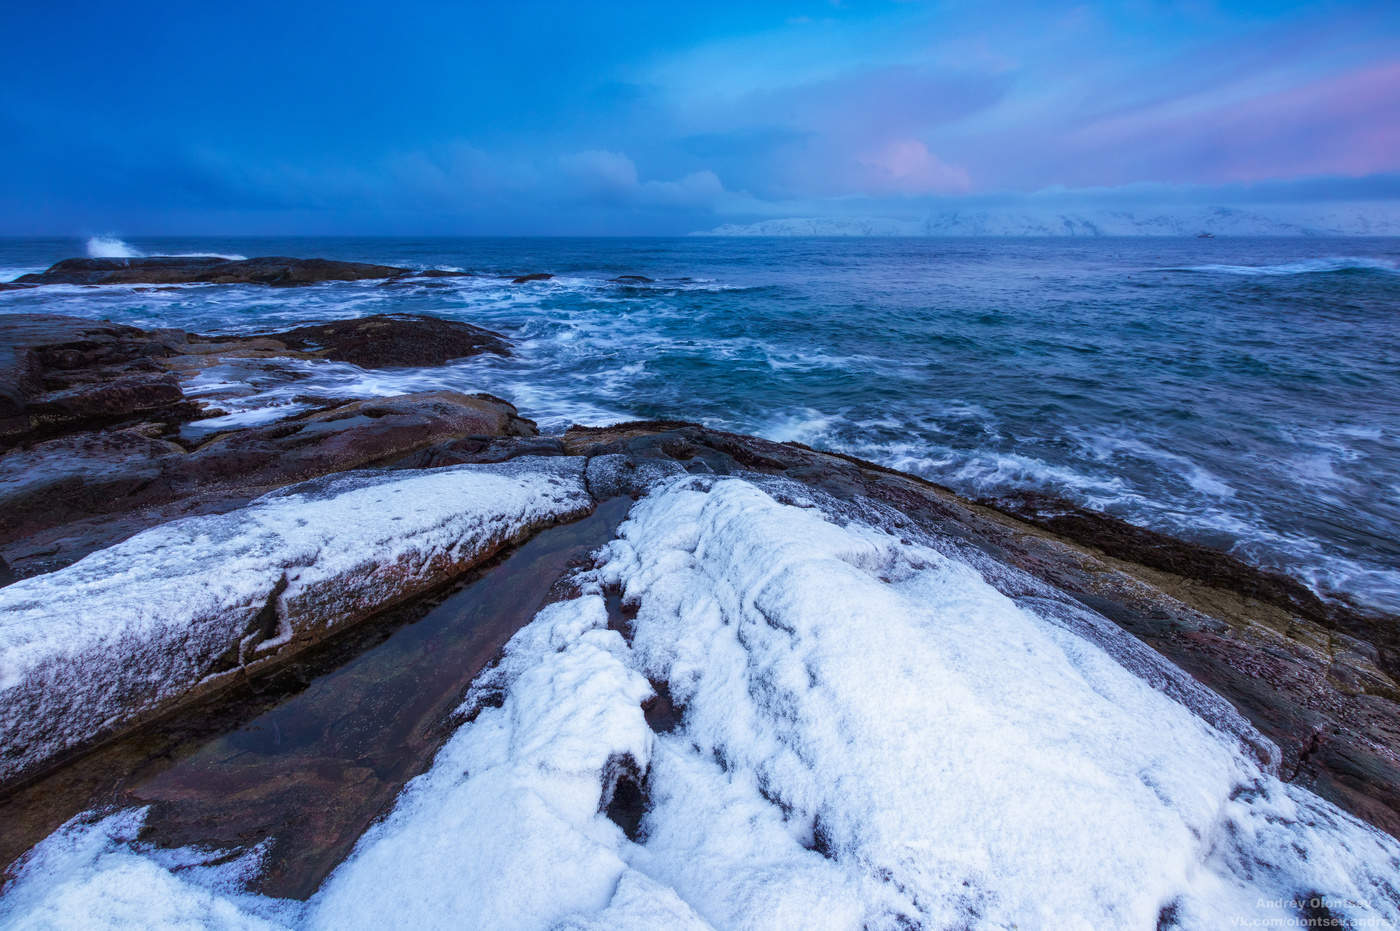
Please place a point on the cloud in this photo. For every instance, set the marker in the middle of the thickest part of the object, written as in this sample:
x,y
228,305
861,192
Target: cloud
x,y
906,166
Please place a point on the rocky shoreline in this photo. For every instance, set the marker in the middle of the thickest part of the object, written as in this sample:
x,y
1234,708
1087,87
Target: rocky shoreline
x,y
112,517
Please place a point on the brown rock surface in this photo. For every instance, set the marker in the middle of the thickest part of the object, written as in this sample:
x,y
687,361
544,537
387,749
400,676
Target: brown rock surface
x,y
270,270
64,498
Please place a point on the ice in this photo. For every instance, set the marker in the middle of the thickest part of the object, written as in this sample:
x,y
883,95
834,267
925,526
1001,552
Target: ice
x,y
141,623
870,735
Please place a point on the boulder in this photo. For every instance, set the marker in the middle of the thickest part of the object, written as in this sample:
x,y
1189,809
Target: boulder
x,y
392,340
52,492
533,276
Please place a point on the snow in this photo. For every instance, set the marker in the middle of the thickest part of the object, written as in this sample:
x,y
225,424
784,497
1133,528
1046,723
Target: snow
x,y
1348,219
141,623
872,736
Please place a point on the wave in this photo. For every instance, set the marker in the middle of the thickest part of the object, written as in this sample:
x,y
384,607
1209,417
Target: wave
x,y
1303,267
110,247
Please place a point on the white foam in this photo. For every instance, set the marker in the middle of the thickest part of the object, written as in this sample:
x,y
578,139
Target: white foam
x,y
1301,267
110,247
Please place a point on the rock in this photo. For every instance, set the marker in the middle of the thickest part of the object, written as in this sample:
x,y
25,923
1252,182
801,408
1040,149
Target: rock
x,y
634,279
189,606
7,574
534,276
78,476
1313,677
75,479
390,340
270,270
60,374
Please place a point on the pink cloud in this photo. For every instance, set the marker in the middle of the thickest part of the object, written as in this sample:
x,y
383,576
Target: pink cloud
x,y
906,166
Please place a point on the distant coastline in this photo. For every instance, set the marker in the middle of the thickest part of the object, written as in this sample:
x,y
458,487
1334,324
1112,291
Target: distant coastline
x,y
1340,220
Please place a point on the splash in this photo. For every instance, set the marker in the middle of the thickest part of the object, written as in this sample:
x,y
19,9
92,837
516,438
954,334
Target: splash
x,y
110,247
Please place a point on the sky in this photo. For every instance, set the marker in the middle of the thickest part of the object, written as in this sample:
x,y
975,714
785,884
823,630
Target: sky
x,y
620,118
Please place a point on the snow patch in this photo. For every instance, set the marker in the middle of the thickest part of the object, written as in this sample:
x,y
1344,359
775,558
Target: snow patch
x,y
141,623
869,735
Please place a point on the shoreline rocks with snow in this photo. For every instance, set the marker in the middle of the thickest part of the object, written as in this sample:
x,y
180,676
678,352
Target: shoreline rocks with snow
x,y
171,612
63,374
1201,701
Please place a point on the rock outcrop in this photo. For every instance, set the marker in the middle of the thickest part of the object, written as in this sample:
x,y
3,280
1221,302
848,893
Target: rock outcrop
x,y
1317,679
270,270
62,374
181,608
392,340
63,498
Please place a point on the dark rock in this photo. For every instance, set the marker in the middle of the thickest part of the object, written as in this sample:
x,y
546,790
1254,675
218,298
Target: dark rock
x,y
58,498
270,270
348,437
634,279
7,574
388,340
121,397
534,276
60,374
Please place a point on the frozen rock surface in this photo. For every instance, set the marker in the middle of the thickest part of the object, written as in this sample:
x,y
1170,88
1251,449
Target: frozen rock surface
x,y
133,628
863,732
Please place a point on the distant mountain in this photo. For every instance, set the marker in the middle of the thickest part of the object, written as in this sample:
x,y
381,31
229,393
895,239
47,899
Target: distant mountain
x,y
1336,220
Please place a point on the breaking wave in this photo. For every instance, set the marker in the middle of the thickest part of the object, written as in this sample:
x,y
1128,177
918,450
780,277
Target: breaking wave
x,y
110,247
1304,267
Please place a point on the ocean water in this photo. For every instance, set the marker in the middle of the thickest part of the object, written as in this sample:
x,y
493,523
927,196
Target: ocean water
x,y
1238,392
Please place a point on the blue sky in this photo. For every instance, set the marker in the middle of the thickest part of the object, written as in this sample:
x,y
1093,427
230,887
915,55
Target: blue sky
x,y
621,117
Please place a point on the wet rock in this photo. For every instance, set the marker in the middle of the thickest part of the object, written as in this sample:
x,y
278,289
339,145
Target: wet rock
x,y
61,480
59,373
633,279
350,436
392,340
1122,540
62,374
189,606
7,574
74,479
533,276
269,270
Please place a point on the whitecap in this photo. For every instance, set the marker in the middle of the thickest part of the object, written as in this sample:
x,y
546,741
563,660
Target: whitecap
x,y
1302,267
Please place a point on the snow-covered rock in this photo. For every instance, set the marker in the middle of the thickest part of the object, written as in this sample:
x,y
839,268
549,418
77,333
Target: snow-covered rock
x,y
870,736
132,628
1035,220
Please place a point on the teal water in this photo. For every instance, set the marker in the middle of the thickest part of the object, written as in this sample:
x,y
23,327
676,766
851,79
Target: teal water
x,y
1243,393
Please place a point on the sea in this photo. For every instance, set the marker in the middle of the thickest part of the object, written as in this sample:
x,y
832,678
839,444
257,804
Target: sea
x,y
1242,393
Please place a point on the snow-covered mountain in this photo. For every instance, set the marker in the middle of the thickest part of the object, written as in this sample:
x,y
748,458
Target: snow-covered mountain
x,y
1335,220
